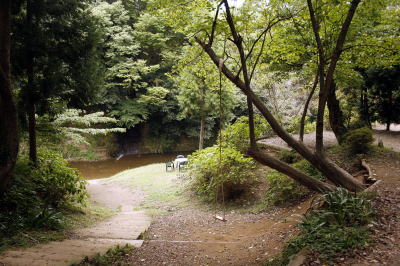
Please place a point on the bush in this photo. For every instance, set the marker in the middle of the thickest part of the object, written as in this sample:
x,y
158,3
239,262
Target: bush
x,y
289,156
113,256
306,167
209,171
359,141
35,196
237,135
283,189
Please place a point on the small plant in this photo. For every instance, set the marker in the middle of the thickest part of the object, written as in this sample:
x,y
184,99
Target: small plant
x,y
113,256
306,167
289,156
359,141
283,189
210,170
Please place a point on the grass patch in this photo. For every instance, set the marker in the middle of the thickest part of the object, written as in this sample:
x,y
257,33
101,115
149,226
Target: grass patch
x,y
163,189
71,219
114,256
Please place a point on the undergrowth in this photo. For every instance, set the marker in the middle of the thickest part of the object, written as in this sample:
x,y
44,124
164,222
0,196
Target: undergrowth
x,y
114,256
339,227
283,189
39,198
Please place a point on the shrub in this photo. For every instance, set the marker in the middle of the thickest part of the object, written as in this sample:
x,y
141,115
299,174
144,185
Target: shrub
x,y
35,196
113,256
283,189
359,141
209,171
334,230
306,167
289,156
237,135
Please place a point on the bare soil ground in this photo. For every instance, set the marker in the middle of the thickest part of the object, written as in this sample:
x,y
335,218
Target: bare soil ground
x,y
385,249
194,237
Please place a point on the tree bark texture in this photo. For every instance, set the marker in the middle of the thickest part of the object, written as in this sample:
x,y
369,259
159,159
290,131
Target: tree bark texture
x,y
8,113
30,100
252,136
365,116
202,132
306,105
326,77
336,117
290,171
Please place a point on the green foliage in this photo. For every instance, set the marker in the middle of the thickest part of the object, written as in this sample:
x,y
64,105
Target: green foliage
x,y
340,226
36,196
306,167
210,170
359,141
236,136
289,156
113,256
283,189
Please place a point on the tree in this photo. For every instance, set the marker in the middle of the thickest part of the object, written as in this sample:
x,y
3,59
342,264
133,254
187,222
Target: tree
x,y
54,59
198,90
318,158
9,139
384,94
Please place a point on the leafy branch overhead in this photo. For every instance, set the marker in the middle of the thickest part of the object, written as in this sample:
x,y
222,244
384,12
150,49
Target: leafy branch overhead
x,y
74,124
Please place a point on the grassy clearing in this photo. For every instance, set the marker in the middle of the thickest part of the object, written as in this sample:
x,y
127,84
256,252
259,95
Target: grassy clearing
x,y
72,219
164,190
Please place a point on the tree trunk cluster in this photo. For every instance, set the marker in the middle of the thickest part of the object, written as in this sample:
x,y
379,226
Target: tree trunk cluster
x,y
335,174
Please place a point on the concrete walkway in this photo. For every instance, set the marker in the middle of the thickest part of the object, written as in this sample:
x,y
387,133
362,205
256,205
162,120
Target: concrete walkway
x,y
123,228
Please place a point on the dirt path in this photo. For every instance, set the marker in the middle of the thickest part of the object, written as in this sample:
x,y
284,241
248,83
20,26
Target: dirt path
x,y
195,237
123,228
390,139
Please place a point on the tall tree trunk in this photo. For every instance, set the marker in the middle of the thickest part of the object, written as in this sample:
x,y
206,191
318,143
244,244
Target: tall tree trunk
x,y
365,107
30,86
202,132
9,140
389,109
306,105
252,136
336,117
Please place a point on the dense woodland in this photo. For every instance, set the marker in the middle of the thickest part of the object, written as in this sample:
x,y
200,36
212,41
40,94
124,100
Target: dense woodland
x,y
224,73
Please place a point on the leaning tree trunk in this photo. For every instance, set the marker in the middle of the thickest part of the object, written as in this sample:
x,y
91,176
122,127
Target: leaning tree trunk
x,y
8,113
329,169
336,117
